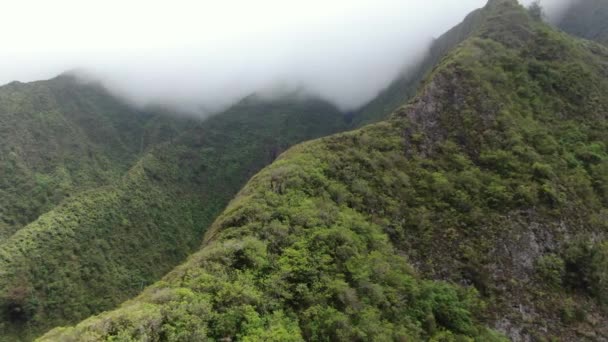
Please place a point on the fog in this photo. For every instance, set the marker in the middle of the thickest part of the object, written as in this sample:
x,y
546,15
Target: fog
x,y
554,9
201,56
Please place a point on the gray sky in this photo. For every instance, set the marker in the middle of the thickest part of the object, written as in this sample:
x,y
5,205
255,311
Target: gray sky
x,y
211,53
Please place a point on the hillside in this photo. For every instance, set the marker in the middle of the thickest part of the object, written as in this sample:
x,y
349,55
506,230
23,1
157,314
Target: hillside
x,y
587,19
117,212
54,143
404,87
481,205
276,125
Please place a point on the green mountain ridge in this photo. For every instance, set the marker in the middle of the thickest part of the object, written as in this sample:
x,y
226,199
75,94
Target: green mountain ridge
x,y
103,239
45,298
480,206
54,144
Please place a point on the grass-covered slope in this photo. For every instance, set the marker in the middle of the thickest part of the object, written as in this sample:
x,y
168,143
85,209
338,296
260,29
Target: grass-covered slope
x,y
59,137
101,246
484,202
587,19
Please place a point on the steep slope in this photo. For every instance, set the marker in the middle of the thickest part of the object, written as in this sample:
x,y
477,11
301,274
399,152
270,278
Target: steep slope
x,y
587,19
405,86
101,246
141,270
490,185
58,137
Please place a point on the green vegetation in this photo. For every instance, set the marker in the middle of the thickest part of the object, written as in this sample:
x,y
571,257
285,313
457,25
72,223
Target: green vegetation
x,y
289,256
586,269
84,158
54,143
405,86
117,198
78,166
482,203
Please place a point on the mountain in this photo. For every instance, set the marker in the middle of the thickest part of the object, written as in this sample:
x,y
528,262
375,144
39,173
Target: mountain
x,y
587,19
120,200
478,209
404,87
53,144
103,199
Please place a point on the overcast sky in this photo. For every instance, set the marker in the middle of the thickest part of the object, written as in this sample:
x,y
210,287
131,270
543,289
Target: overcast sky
x,y
211,53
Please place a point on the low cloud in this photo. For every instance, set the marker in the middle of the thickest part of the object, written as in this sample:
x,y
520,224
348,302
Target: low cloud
x,y
554,9
204,55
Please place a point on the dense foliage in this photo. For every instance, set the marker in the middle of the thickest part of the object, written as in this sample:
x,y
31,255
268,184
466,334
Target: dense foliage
x,y
54,143
291,259
116,214
482,202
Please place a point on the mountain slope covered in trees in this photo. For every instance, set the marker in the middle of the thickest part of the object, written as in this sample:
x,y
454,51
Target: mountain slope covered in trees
x,y
54,143
124,196
192,176
481,206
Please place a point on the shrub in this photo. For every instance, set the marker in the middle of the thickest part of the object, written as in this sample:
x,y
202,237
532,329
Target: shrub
x,y
552,269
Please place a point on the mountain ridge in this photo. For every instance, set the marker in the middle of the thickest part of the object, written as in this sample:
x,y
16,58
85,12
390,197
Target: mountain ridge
x,y
158,195
158,206
480,205
16,295
52,146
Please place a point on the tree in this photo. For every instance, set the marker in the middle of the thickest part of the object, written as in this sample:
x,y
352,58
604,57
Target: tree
x,y
536,10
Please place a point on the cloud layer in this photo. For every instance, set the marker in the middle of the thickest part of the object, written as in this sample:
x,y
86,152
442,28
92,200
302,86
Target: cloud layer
x,y
208,54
